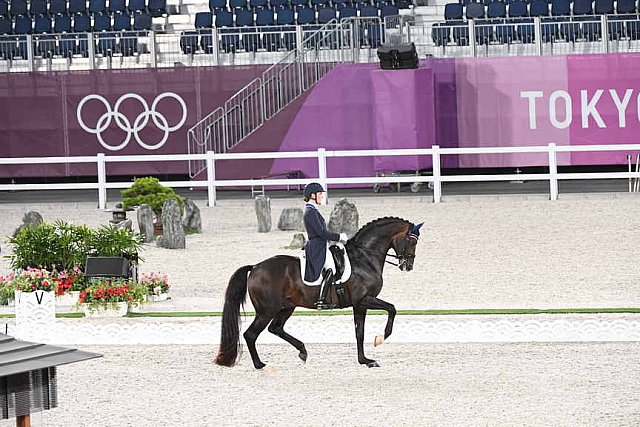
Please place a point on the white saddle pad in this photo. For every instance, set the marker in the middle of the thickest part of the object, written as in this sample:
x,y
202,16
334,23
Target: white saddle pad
x,y
328,264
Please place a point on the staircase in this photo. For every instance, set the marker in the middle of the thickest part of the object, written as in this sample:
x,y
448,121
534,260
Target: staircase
x,y
282,83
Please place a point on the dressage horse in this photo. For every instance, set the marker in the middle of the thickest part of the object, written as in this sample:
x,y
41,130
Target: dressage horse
x,y
275,287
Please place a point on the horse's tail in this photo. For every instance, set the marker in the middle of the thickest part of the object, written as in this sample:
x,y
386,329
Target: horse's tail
x,y
230,335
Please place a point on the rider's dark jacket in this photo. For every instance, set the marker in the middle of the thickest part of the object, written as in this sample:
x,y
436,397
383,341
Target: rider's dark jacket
x,y
316,247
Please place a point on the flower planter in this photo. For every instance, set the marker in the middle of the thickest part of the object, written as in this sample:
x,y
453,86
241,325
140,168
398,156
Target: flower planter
x,y
158,298
35,307
67,299
117,310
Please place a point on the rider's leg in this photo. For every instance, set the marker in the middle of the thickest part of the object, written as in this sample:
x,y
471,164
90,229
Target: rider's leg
x,y
327,281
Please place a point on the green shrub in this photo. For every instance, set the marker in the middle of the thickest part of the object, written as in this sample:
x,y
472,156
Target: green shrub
x,y
148,191
63,246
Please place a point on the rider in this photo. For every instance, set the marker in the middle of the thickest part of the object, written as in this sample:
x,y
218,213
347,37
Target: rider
x,y
316,247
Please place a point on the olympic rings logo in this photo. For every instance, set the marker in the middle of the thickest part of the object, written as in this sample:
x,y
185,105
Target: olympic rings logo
x,y
139,123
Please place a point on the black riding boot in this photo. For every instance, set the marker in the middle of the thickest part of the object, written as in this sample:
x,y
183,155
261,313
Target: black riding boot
x,y
327,281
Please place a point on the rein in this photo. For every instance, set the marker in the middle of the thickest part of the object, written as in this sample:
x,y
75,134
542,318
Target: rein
x,y
400,257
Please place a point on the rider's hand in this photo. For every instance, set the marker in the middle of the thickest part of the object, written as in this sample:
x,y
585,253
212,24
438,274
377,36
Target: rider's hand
x,y
344,237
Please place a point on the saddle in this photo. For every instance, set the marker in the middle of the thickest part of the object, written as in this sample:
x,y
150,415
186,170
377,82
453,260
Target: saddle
x,y
338,262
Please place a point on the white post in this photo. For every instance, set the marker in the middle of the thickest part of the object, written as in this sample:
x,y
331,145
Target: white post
x,y
537,28
102,180
553,172
322,173
437,184
211,178
153,49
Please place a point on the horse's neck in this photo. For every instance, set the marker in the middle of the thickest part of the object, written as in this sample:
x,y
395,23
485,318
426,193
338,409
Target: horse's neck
x,y
378,244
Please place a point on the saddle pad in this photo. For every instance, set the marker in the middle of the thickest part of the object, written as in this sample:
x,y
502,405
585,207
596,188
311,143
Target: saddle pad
x,y
328,264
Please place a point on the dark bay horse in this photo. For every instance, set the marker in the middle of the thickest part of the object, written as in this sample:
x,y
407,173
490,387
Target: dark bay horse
x,y
276,289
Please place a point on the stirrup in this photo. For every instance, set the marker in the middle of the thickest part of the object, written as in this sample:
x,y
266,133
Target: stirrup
x,y
323,305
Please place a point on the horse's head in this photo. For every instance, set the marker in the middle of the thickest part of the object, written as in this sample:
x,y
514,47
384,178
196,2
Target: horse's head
x,y
405,246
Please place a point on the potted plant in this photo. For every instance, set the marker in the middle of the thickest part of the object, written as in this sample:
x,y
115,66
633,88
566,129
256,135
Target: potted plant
x,y
68,286
156,286
108,297
7,289
34,295
149,191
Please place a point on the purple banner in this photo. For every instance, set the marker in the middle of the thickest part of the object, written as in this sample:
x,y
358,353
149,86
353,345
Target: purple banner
x,y
122,112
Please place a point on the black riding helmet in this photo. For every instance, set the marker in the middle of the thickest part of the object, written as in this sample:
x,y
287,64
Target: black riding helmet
x,y
312,188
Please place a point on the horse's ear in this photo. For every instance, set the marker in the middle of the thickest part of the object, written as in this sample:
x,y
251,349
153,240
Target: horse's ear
x,y
416,229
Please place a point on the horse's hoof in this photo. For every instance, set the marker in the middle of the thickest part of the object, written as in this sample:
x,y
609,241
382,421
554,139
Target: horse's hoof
x,y
260,365
379,339
303,356
373,364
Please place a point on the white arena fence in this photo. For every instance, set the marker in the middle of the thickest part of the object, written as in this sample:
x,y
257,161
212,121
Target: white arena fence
x,y
211,183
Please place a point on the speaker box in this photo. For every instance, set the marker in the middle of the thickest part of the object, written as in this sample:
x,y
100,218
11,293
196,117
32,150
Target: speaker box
x,y
398,57
108,266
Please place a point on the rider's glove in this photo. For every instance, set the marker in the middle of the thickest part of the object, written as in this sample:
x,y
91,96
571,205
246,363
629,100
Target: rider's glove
x,y
344,237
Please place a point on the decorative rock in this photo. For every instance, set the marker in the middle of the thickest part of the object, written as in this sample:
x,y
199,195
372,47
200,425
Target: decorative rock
x,y
191,219
263,212
291,219
30,219
298,241
145,222
344,218
172,229
126,224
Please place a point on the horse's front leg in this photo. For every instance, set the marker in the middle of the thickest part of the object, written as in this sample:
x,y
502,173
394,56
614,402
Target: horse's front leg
x,y
359,315
370,302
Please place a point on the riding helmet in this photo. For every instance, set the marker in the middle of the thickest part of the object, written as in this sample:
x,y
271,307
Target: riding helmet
x,y
312,188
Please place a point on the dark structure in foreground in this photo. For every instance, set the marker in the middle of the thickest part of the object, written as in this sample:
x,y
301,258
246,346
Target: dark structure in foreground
x,y
28,381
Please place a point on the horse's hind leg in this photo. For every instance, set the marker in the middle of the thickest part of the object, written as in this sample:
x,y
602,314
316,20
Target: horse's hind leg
x,y
251,335
277,328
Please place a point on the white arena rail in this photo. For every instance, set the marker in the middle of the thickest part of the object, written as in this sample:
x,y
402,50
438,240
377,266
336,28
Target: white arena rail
x,y
211,183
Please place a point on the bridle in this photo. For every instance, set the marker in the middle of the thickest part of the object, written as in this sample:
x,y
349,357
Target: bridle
x,y
403,258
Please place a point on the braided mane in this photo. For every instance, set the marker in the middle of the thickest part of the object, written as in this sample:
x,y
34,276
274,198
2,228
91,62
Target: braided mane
x,y
377,222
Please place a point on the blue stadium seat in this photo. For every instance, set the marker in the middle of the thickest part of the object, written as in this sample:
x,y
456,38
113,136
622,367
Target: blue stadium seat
x,y
389,10
278,4
117,6
539,8
568,30
157,8
404,4
18,7
204,20
57,7
4,8
102,23
496,10
142,22
38,7
42,25
341,4
6,26
582,7
590,30
264,17
224,18
453,11
81,24
77,7
122,23
326,15
604,7
348,12
217,5
67,46
359,4
62,24
368,12
97,7
624,7
23,25
106,44
237,4
244,18
561,8
318,4
285,17
258,4
189,42
297,4
518,9
518,14
137,6
475,11
306,16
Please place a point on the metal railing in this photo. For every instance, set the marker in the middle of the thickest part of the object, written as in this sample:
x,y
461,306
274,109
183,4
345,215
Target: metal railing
x,y
211,183
520,36
320,50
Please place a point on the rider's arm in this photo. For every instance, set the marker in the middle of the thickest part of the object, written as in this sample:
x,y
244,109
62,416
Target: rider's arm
x,y
315,228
